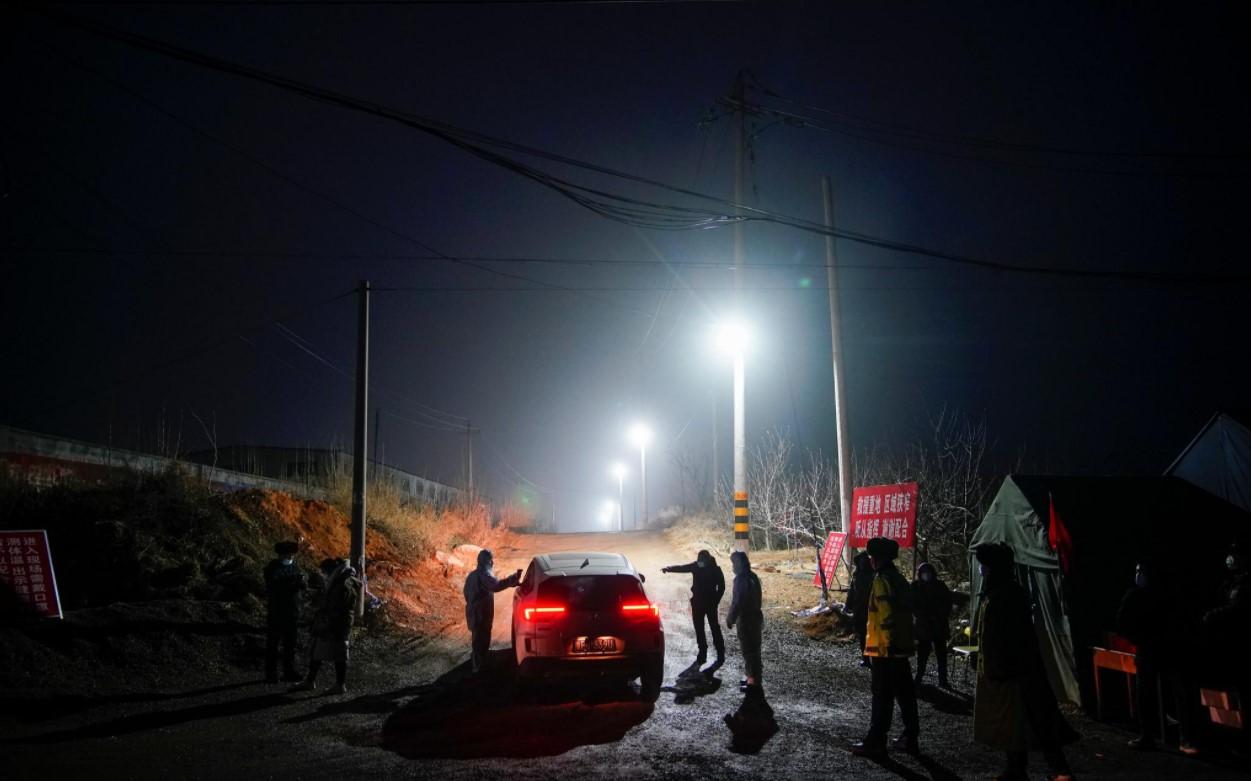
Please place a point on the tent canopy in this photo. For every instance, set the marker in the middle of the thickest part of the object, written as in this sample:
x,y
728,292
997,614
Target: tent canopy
x,y
1218,459
1113,522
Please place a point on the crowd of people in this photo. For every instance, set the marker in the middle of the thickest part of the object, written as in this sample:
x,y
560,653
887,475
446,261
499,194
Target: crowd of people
x,y
1015,710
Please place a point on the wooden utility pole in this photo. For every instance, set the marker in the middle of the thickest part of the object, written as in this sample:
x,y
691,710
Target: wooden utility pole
x,y
840,389
361,447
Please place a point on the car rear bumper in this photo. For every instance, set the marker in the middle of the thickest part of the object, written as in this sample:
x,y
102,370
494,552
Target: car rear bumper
x,y
578,666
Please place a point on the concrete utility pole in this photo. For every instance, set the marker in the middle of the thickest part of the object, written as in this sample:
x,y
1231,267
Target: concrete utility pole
x,y
715,477
840,389
377,425
643,480
742,519
360,447
469,455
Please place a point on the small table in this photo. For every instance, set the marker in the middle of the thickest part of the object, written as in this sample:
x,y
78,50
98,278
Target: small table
x,y
1127,663
969,654
1120,661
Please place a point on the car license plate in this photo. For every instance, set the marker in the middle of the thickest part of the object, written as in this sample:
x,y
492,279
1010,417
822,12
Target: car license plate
x,y
595,645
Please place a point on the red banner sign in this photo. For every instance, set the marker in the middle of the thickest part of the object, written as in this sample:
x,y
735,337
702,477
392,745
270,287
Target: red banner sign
x,y
26,571
884,511
830,556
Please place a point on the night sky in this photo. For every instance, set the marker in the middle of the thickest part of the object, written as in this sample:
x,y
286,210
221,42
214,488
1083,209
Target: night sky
x,y
175,236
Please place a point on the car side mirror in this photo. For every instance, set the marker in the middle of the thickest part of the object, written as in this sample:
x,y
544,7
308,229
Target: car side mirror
x,y
642,577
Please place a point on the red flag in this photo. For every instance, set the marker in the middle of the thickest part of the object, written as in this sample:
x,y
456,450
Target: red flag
x,y
1058,537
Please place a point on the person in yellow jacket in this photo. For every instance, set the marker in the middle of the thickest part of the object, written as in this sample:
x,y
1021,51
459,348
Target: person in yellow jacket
x,y
888,644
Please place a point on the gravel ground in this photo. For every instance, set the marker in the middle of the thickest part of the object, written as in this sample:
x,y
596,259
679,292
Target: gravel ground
x,y
413,711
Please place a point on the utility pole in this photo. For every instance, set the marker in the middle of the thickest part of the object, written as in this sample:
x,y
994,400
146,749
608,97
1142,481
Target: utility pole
x,y
643,480
377,425
741,518
716,457
360,448
469,452
840,389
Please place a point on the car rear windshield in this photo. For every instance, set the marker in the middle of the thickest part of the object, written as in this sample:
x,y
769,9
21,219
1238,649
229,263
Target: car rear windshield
x,y
591,592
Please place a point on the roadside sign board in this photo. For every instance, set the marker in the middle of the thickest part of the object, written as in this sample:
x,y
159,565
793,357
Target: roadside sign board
x,y
26,571
884,511
831,554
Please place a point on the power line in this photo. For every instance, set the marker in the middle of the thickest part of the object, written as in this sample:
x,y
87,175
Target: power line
x,y
621,208
992,143
866,134
402,257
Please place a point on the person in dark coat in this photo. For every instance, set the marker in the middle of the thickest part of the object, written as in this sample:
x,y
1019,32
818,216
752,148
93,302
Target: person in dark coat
x,y
932,613
1014,709
284,588
858,599
888,644
1147,620
480,588
707,587
747,617
332,624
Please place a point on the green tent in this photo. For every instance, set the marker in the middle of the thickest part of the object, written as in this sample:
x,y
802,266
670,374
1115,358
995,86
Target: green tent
x,y
1112,522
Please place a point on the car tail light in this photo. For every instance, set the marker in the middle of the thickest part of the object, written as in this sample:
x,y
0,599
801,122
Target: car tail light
x,y
543,613
641,610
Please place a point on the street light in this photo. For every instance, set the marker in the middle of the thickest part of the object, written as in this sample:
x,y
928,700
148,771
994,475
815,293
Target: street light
x,y
733,337
619,471
610,509
639,434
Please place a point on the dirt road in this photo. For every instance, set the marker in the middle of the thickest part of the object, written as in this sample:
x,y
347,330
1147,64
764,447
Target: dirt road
x,y
413,711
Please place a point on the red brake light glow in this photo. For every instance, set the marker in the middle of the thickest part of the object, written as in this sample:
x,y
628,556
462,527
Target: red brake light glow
x,y
543,612
641,610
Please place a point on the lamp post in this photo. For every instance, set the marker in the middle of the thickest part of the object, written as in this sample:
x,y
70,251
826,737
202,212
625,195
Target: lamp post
x,y
733,338
641,435
619,472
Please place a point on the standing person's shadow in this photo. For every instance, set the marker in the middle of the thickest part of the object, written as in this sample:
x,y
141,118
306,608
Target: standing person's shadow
x,y
692,684
751,725
463,715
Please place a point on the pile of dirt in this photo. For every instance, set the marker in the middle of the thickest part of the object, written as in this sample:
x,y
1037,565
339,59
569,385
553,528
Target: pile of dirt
x,y
158,575
831,627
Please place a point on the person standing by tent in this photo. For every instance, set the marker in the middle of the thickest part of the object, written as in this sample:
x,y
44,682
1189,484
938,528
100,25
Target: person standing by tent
x,y
332,624
284,586
932,600
858,599
888,644
1146,620
480,588
707,587
1014,709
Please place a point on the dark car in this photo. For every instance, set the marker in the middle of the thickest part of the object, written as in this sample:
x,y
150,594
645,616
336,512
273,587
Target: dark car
x,y
587,614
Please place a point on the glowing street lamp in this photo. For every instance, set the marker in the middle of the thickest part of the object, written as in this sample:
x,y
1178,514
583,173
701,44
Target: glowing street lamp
x,y
640,434
733,338
619,471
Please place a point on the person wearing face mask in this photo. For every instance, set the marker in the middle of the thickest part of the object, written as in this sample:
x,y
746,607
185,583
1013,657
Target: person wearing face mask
x,y
1226,628
284,587
707,587
888,644
1141,619
745,612
1014,709
332,624
858,599
480,588
932,610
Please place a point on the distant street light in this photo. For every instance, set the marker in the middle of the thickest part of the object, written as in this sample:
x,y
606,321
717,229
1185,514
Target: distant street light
x,y
610,510
639,434
619,471
733,338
